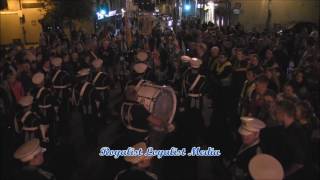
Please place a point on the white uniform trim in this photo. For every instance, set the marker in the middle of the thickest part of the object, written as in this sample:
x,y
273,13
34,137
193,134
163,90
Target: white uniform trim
x,y
83,88
96,78
55,76
127,118
195,82
23,119
194,95
40,92
45,106
243,149
139,84
60,87
30,128
102,88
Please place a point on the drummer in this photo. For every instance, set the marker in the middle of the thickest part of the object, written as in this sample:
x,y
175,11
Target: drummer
x,y
193,85
250,134
139,166
139,70
143,57
138,119
30,154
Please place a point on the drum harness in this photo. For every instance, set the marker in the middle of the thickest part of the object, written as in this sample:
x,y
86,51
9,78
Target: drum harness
x,y
194,96
77,102
43,106
232,165
23,119
128,115
58,88
43,109
96,79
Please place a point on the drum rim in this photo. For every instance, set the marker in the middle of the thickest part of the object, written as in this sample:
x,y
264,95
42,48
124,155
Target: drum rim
x,y
161,88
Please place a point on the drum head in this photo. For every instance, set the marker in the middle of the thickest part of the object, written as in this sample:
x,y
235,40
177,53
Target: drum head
x,y
165,105
160,101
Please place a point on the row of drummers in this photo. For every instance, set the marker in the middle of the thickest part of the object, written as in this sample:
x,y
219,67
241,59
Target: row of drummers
x,y
49,101
53,92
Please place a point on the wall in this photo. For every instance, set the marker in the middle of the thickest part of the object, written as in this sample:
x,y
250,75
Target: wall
x,y
11,27
254,12
32,26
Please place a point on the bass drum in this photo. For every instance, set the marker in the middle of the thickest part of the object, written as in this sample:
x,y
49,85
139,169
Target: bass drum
x,y
160,101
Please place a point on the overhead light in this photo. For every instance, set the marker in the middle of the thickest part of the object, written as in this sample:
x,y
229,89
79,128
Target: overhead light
x,y
102,12
187,7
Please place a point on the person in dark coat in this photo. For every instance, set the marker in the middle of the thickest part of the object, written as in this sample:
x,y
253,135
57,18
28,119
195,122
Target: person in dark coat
x,y
45,106
140,166
87,101
102,83
28,124
250,135
293,147
30,154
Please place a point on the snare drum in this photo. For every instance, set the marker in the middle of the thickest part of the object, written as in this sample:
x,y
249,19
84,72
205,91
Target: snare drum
x,y
160,101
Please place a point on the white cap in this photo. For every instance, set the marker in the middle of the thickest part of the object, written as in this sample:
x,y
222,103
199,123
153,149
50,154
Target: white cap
x,y
26,101
264,167
83,72
28,150
38,78
137,159
97,63
195,63
250,125
140,68
185,58
56,61
142,56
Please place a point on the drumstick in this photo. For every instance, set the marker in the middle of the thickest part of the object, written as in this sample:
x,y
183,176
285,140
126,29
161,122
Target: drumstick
x,y
94,55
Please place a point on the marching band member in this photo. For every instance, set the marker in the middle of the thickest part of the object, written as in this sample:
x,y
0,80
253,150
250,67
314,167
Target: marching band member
x,y
139,74
138,120
100,80
86,100
28,124
31,155
192,84
143,57
60,84
180,67
44,102
139,166
250,135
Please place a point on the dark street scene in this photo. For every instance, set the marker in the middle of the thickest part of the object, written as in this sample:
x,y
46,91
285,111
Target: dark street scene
x,y
159,90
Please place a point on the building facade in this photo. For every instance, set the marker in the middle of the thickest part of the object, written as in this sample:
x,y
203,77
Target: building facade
x,y
260,13
19,21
